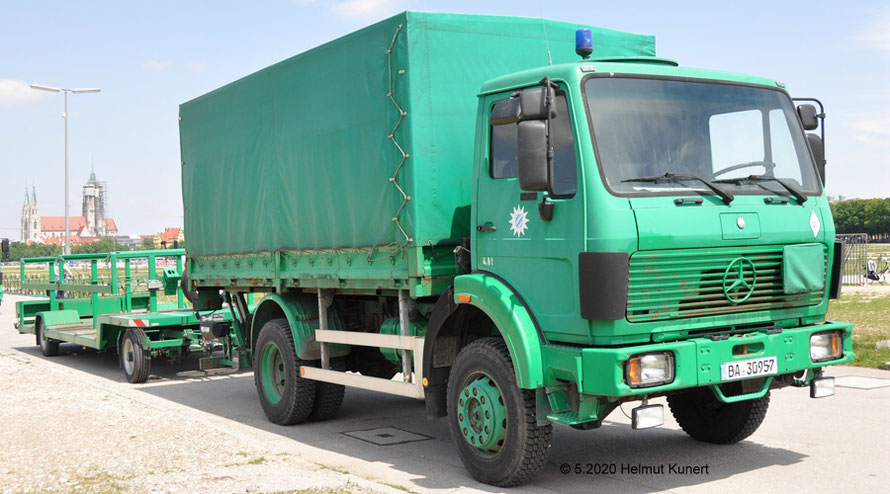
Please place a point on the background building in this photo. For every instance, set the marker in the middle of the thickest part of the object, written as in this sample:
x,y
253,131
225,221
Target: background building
x,y
91,225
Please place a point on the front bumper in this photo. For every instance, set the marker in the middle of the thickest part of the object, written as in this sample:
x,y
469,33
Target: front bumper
x,y
600,371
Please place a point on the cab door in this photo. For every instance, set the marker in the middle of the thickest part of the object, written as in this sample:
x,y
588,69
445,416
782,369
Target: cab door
x,y
537,258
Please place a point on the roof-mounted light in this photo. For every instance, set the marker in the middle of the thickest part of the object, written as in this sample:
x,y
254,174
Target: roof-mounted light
x,y
583,43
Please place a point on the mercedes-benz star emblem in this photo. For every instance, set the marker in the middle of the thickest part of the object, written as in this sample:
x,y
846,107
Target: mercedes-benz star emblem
x,y
735,285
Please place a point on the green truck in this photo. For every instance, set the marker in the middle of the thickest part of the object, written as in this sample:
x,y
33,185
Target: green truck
x,y
520,221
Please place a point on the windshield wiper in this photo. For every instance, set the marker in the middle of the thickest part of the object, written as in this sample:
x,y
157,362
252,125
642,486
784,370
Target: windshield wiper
x,y
801,198
674,177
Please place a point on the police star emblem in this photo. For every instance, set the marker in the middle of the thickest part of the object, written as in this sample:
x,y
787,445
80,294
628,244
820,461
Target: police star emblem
x,y
518,221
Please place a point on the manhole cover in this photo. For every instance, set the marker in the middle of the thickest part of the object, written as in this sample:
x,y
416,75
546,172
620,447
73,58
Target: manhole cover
x,y
385,436
860,382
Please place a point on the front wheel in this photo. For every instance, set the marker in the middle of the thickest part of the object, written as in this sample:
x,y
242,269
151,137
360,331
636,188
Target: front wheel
x,y
493,422
705,418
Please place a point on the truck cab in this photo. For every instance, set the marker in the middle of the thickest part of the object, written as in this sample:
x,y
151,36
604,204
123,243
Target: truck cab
x,y
665,228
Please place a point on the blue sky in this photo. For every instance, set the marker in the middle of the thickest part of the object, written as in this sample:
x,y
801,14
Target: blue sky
x,y
148,57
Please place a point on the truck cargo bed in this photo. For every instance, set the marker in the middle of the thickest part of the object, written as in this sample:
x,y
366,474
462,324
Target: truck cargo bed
x,y
357,151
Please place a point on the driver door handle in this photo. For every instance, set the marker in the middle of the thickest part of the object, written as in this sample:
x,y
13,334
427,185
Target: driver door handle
x,y
488,227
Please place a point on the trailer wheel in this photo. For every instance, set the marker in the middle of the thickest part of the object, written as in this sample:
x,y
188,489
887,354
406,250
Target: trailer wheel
x,y
49,348
286,397
493,422
135,359
328,396
705,418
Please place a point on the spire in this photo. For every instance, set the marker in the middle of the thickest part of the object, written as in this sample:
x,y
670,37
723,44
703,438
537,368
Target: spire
x,y
27,199
33,194
92,169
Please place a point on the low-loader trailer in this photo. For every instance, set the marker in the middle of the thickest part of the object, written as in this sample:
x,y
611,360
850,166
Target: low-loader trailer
x,y
520,221
113,309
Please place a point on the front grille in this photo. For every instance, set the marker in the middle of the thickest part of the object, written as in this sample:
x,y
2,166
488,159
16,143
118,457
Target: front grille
x,y
675,284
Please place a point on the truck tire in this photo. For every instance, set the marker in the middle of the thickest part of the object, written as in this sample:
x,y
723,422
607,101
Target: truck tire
x,y
328,396
287,398
493,422
49,348
135,359
705,418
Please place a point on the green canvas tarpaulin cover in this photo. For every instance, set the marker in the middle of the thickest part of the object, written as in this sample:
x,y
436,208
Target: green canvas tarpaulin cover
x,y
298,155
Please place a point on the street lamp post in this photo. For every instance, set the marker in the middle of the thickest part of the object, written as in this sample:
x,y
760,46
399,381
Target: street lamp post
x,y
41,87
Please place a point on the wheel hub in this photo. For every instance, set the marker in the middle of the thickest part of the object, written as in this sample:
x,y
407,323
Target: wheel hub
x,y
482,415
273,375
128,356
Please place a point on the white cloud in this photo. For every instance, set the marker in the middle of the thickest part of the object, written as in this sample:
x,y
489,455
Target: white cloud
x,y
877,35
14,93
155,65
876,126
875,131
351,8
194,67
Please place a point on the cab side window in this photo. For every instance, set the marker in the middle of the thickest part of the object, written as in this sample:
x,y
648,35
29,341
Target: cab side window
x,y
503,162
503,151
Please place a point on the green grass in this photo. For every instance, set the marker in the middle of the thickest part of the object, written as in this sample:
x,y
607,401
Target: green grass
x,y
316,490
879,249
399,487
869,312
102,483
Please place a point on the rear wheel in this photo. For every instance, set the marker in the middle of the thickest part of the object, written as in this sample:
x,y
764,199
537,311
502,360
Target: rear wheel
x,y
328,396
705,418
49,348
493,422
135,359
286,397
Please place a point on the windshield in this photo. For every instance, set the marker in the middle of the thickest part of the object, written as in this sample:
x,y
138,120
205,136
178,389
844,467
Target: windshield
x,y
646,128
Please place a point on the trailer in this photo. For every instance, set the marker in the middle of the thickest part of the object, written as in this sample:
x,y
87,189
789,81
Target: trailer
x,y
112,308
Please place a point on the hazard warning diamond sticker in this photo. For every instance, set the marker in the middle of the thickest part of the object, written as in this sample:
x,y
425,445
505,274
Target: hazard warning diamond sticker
x,y
814,224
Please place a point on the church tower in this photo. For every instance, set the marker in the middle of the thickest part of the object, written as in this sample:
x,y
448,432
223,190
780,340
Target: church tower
x,y
94,206
30,217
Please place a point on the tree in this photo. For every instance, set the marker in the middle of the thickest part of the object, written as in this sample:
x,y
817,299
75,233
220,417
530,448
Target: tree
x,y
104,245
148,243
18,250
870,216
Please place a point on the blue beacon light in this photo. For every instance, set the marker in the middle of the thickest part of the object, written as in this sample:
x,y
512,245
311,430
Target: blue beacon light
x,y
583,43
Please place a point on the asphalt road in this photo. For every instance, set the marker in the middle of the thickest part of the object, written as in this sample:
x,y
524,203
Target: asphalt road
x,y
805,445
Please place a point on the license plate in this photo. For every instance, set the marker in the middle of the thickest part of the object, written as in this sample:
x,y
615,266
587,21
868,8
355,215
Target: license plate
x,y
744,369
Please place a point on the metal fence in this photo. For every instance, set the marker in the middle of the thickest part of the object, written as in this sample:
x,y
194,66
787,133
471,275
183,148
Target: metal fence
x,y
78,273
856,253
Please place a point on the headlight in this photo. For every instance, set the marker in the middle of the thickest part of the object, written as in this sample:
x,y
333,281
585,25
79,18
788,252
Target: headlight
x,y
649,369
826,346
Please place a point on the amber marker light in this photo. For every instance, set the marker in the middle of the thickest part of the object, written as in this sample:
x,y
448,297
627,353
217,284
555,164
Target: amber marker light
x,y
634,371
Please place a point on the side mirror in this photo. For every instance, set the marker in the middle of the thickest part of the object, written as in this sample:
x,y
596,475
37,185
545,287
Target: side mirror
x,y
818,149
505,112
533,104
807,114
532,155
